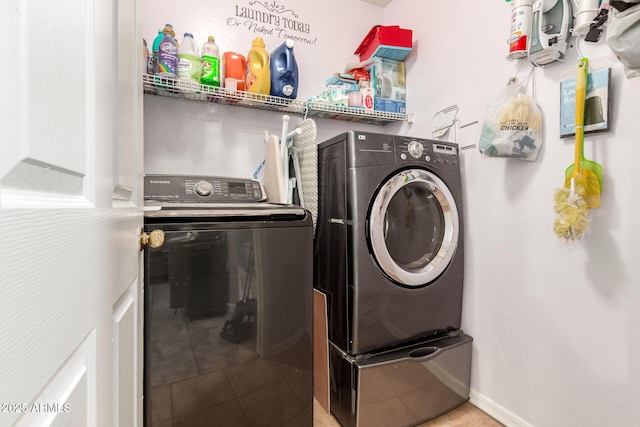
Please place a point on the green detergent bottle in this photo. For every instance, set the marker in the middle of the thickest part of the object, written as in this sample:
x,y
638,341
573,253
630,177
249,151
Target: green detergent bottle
x,y
210,63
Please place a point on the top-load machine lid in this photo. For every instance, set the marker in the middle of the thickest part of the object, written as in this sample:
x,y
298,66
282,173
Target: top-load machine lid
x,y
179,196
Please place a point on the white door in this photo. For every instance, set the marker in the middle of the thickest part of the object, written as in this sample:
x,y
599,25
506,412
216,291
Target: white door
x,y
70,208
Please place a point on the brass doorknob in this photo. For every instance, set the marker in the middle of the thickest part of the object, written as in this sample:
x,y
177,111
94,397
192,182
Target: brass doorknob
x,y
155,239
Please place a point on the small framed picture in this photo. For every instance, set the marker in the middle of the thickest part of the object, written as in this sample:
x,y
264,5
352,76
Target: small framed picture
x,y
596,107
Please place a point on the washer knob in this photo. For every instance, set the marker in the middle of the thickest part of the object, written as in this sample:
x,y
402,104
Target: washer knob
x,y
415,149
203,188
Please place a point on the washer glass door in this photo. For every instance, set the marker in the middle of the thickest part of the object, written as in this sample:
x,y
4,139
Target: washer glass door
x,y
413,227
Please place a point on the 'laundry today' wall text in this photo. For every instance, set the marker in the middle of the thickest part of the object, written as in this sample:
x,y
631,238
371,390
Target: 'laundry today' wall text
x,y
272,19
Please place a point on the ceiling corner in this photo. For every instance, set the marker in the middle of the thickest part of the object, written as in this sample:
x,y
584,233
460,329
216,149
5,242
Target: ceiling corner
x,y
380,3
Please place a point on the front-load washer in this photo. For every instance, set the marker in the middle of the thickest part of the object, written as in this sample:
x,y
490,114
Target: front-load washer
x,y
389,243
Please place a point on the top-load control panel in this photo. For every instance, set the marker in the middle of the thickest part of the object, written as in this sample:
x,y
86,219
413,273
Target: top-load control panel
x,y
202,189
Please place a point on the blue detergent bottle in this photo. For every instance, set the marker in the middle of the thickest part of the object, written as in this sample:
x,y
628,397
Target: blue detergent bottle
x,y
155,53
168,54
284,71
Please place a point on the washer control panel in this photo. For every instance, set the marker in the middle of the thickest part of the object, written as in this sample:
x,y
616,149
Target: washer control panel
x,y
446,154
429,151
202,189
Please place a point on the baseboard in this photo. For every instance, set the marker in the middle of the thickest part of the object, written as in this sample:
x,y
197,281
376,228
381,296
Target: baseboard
x,y
496,411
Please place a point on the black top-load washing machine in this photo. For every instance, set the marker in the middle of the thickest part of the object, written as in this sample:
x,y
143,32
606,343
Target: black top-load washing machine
x,y
228,305
390,241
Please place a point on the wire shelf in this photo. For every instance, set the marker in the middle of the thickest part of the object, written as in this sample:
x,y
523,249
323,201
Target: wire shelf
x,y
183,89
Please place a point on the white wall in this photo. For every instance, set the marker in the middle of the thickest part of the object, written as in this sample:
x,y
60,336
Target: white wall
x,y
553,323
191,137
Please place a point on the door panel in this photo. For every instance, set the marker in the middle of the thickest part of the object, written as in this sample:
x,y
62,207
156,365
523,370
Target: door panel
x,y
47,117
129,101
68,400
125,325
51,110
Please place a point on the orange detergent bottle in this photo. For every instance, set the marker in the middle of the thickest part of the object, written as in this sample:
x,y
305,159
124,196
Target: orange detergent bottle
x,y
234,66
257,78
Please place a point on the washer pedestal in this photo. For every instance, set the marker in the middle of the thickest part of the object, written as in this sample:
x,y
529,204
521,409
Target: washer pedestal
x,y
404,387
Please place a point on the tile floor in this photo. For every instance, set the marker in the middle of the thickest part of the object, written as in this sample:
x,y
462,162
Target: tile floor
x,y
200,379
466,415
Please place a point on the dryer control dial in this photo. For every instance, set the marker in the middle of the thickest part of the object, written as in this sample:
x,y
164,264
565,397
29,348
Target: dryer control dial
x,y
415,149
203,188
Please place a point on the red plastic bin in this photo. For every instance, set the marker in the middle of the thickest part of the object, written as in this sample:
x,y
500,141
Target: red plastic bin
x,y
391,42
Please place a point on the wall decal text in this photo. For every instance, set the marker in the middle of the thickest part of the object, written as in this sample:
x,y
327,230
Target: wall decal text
x,y
271,18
